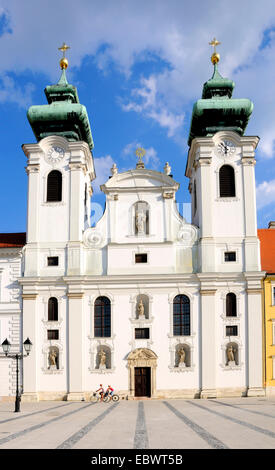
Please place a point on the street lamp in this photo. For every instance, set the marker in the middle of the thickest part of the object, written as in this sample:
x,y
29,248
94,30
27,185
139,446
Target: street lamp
x,y
6,348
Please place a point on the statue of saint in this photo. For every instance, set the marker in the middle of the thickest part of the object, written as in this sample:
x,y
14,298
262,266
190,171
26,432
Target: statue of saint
x,y
102,357
230,354
140,309
181,354
140,222
52,357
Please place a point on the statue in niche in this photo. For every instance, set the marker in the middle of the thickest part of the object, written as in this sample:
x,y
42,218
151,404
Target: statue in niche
x,y
102,359
231,355
52,359
181,355
140,222
140,309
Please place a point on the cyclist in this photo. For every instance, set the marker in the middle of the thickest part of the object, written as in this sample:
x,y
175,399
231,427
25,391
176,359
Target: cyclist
x,y
110,391
101,391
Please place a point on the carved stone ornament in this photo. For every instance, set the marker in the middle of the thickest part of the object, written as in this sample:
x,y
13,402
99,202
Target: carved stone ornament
x,y
187,235
142,353
54,155
92,238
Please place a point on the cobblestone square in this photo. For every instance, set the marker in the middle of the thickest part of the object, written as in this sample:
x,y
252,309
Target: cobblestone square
x,y
235,423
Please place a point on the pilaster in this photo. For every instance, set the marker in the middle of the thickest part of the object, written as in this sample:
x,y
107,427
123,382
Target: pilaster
x,y
255,337
208,343
76,361
31,362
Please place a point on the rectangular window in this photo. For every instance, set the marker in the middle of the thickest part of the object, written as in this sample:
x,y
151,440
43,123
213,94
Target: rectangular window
x,y
141,333
53,334
141,258
230,256
273,332
273,295
231,330
52,260
273,363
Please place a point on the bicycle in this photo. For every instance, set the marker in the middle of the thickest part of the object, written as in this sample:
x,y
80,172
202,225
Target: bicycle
x,y
95,397
108,397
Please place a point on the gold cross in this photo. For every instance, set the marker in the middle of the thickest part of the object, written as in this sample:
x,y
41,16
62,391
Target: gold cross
x,y
214,43
63,48
140,152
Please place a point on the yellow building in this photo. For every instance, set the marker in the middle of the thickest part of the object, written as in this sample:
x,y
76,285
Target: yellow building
x,y
267,240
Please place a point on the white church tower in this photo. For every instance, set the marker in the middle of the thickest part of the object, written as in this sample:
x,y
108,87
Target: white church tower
x,y
220,167
60,170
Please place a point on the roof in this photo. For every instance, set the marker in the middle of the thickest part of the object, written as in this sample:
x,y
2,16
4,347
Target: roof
x,y
217,111
12,240
267,246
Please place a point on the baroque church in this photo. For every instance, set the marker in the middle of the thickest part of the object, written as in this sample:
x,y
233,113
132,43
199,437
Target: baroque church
x,y
144,301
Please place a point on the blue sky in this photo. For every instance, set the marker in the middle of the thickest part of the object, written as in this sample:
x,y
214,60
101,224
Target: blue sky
x,y
138,66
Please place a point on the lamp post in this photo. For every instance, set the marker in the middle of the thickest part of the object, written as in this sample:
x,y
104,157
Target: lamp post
x,y
6,348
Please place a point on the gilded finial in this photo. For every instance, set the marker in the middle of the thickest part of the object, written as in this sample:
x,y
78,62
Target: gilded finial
x,y
64,62
140,152
215,57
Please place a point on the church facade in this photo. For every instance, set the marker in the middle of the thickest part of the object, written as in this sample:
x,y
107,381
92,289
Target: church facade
x,y
144,301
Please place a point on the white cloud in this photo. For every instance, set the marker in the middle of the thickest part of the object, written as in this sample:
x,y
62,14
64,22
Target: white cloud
x,y
103,167
12,92
150,158
176,32
150,105
265,192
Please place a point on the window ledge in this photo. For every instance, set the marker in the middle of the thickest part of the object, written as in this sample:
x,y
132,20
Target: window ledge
x,y
227,199
102,371
53,203
182,369
226,368
138,321
53,371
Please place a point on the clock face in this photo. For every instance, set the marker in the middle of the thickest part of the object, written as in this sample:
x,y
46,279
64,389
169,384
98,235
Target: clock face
x,y
55,154
226,147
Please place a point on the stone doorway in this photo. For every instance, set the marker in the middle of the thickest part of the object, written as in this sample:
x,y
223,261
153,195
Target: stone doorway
x,y
142,381
142,364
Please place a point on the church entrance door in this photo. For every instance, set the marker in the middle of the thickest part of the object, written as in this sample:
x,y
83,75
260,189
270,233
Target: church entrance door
x,y
142,381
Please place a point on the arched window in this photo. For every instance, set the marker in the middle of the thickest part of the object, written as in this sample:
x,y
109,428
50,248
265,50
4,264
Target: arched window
x,y
102,317
52,309
227,181
54,186
231,305
141,218
181,316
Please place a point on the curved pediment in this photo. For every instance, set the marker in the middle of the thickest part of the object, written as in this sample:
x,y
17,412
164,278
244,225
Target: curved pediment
x,y
142,353
139,179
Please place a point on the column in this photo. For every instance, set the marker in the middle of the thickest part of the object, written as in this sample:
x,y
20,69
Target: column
x,y
208,344
76,362
31,362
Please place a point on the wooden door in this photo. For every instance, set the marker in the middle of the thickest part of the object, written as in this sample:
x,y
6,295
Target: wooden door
x,y
142,381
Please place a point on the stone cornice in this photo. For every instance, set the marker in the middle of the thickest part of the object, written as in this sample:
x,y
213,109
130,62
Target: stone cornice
x,y
208,291
208,281
75,295
254,291
15,251
29,296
